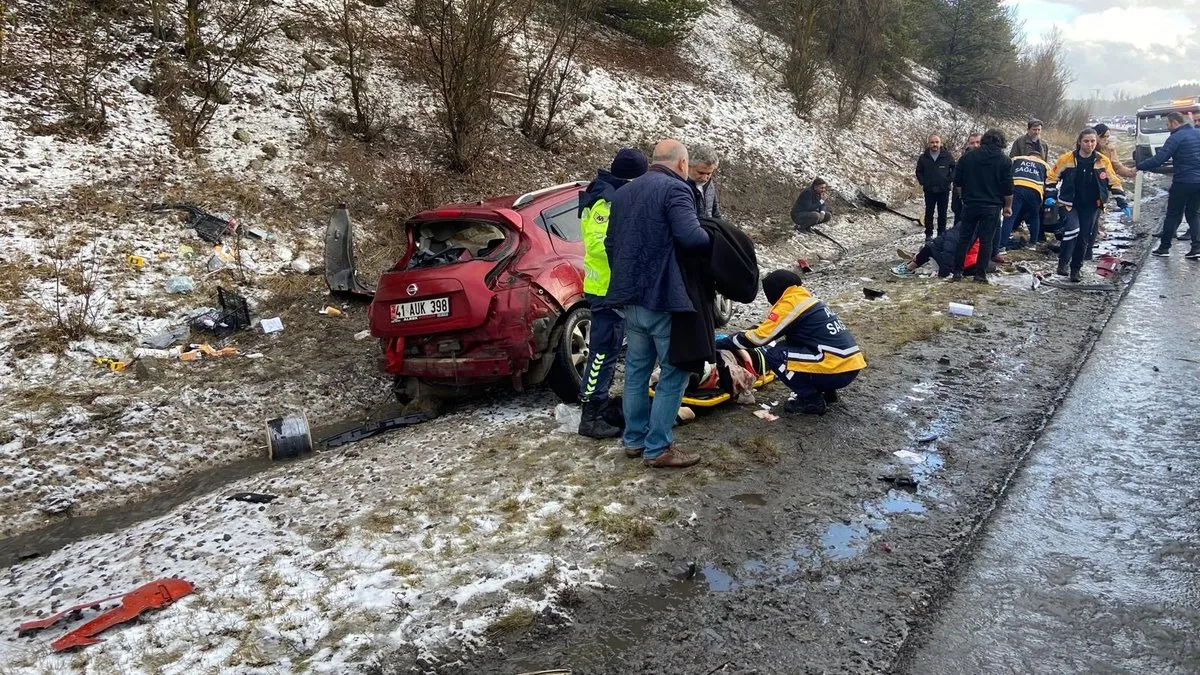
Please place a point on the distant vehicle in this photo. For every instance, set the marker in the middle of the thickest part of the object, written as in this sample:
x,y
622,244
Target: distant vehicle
x,y
486,292
1152,129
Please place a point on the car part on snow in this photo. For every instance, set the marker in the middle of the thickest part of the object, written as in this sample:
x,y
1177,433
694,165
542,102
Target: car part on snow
x,y
340,273
154,595
210,227
272,325
288,437
878,205
233,316
253,497
960,309
873,294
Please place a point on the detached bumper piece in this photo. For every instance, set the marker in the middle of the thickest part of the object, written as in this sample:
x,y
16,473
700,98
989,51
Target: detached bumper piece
x,y
154,595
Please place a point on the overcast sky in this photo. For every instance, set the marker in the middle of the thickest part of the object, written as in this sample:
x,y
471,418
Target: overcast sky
x,y
1135,45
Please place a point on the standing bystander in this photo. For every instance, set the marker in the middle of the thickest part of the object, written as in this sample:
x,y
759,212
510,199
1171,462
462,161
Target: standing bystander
x,y
935,172
985,182
1183,198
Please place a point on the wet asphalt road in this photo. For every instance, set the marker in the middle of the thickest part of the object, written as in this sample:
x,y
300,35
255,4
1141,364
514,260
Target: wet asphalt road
x,y
1090,565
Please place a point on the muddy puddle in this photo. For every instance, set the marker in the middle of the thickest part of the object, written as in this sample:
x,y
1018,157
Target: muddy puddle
x,y
75,528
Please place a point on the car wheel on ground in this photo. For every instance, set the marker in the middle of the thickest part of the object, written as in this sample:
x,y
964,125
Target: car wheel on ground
x,y
722,310
570,354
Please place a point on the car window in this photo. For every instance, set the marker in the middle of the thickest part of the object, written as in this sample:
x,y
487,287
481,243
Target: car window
x,y
562,220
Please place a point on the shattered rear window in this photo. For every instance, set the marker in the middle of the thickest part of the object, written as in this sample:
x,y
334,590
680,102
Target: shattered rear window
x,y
444,242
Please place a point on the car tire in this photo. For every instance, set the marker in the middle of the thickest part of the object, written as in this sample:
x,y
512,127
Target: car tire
x,y
570,347
722,310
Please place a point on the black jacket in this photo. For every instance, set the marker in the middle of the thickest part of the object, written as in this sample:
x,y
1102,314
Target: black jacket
x,y
729,266
985,177
807,202
935,175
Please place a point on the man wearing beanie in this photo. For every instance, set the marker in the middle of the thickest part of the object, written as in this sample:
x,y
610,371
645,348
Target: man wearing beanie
x,y
652,217
604,346
808,346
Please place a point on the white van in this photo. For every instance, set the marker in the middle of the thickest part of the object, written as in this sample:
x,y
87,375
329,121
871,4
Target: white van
x,y
1152,129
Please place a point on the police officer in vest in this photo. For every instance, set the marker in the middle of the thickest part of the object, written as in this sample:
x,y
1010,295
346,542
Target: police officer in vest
x,y
604,348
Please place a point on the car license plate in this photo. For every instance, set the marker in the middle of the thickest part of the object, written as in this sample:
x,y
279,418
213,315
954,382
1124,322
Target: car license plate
x,y
420,309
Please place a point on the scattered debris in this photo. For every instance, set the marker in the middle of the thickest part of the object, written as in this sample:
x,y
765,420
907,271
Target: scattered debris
x,y
55,503
209,227
187,251
234,314
802,263
873,294
154,595
928,438
363,334
766,415
288,437
141,353
900,481
301,266
330,311
945,360
258,233
136,261
253,497
910,457
112,364
1001,418
180,284
567,418
960,309
691,571
166,338
273,325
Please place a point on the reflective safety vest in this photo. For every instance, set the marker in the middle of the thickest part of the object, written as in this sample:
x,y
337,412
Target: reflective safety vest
x,y
594,223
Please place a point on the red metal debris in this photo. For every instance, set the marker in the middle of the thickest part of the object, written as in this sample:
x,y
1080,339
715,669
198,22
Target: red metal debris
x,y
154,595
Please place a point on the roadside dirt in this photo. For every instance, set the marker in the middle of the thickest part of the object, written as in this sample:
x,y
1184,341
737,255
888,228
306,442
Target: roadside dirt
x,y
814,564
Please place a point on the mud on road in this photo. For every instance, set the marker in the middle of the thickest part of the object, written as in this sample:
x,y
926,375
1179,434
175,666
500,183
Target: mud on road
x,y
815,564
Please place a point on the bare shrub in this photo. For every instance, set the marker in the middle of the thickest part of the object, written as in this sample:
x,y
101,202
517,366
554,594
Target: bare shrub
x,y
357,37
548,68
77,51
5,48
74,306
466,60
191,93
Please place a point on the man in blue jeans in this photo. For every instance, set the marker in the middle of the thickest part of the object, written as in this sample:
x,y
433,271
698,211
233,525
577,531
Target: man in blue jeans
x,y
651,216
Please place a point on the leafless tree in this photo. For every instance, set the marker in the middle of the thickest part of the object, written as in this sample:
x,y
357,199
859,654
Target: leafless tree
x,y
77,51
801,70
73,309
357,36
192,93
548,67
858,51
466,60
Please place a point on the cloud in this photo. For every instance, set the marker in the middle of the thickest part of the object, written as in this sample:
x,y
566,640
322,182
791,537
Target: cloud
x,y
1137,46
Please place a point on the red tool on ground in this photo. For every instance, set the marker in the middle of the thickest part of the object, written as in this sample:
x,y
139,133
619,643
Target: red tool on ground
x,y
154,595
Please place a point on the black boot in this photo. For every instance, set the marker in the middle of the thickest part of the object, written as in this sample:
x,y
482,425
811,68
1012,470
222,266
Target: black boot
x,y
810,405
831,396
1194,253
1075,277
1062,270
592,424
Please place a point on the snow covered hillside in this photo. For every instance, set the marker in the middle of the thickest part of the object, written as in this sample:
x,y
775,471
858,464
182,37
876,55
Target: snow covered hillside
x,y
85,273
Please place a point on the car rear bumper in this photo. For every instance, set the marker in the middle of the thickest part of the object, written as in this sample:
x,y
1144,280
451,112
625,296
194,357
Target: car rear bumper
x,y
450,369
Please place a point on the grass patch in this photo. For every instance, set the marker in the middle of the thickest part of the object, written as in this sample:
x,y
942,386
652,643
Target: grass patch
x,y
916,313
402,568
555,529
631,533
380,521
759,448
516,619
668,514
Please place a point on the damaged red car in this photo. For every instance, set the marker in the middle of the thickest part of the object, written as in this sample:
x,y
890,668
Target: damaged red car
x,y
485,292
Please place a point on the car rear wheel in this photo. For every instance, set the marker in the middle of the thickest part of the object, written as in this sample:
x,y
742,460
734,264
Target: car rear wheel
x,y
722,310
571,354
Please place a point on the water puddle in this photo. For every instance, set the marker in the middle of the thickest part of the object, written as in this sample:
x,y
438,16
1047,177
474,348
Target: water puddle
x,y
842,541
751,498
71,529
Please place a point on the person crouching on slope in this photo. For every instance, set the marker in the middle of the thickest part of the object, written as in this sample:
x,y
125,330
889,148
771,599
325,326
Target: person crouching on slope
x,y
604,346
808,347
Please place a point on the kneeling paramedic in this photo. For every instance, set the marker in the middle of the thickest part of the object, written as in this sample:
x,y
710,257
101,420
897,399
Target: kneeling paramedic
x,y
604,346
808,347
